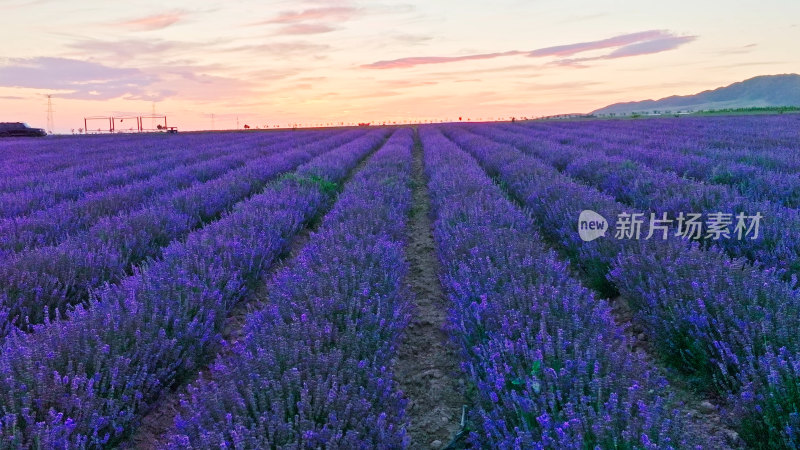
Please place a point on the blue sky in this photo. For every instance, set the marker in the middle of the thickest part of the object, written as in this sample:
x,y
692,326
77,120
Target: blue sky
x,y
319,62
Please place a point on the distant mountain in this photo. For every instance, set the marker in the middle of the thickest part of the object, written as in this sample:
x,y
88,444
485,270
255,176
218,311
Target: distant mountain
x,y
765,90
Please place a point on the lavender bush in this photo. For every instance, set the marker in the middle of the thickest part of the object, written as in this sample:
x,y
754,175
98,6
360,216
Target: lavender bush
x,y
51,225
312,368
714,165
40,283
124,162
724,322
86,381
769,142
659,192
550,367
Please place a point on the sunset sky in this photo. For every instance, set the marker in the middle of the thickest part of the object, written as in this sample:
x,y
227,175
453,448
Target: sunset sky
x,y
318,62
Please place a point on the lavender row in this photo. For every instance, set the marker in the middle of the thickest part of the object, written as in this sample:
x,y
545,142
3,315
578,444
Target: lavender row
x,y
86,172
116,158
61,187
133,149
717,168
550,367
761,133
760,151
722,322
65,155
742,137
87,381
660,192
730,139
312,368
555,201
48,154
52,225
753,182
79,158
37,284
628,181
727,324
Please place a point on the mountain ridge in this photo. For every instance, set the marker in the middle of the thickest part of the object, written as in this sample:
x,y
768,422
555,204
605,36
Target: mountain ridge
x,y
759,91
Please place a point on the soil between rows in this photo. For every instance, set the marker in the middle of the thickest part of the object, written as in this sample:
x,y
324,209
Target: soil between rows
x,y
427,365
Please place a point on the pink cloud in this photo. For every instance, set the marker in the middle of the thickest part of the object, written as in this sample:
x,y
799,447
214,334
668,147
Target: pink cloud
x,y
420,60
311,21
616,41
332,13
626,45
154,22
280,48
636,49
306,28
649,47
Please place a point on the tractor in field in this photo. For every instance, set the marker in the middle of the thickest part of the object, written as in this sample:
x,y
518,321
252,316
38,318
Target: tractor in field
x,y
19,129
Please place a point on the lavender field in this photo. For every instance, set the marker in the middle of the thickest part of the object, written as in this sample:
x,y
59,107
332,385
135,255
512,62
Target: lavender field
x,y
405,287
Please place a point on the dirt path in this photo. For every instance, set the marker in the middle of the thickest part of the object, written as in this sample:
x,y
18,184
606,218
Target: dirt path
x,y
152,433
427,366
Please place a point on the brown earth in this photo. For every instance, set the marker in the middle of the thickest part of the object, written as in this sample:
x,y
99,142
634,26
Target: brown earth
x,y
427,365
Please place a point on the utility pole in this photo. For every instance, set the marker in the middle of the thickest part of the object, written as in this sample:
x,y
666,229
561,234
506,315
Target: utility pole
x,y
153,119
237,122
50,125
212,122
